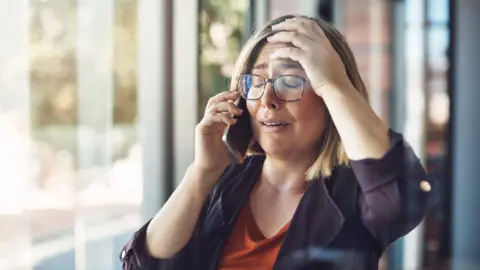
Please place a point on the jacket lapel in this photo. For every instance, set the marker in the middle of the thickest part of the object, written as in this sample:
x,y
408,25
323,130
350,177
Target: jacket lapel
x,y
226,208
235,194
315,223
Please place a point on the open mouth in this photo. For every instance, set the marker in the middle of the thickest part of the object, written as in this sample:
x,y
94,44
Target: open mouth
x,y
275,124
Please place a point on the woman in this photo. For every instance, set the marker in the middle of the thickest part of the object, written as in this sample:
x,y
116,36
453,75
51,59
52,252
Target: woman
x,y
323,173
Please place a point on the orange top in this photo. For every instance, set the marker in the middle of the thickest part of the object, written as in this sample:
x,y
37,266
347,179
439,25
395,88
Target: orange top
x,y
247,248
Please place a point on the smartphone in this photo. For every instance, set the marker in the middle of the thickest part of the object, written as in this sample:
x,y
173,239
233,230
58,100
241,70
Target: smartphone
x,y
237,137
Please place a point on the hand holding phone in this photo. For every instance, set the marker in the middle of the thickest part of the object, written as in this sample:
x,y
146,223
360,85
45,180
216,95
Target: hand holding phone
x,y
237,136
221,113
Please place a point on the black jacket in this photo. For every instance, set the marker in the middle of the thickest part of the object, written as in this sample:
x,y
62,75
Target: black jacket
x,y
343,222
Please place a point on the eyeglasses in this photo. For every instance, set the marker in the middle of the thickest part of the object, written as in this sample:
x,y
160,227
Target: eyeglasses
x,y
286,87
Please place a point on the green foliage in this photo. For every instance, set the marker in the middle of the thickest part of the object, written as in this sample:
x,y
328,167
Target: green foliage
x,y
222,25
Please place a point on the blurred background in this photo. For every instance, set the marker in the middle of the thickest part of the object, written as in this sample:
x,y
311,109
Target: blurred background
x,y
99,100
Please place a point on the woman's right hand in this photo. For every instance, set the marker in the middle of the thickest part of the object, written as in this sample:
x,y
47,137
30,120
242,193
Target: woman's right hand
x,y
210,151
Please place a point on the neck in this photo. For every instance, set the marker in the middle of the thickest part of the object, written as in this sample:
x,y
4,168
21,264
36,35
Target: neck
x,y
287,174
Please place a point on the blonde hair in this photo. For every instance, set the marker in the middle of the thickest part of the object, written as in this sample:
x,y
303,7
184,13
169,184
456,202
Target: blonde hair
x,y
332,153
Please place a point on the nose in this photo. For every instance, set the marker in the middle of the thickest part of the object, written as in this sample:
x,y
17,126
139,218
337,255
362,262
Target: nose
x,y
269,99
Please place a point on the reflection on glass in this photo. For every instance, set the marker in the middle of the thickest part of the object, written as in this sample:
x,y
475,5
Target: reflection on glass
x,y
72,162
437,11
366,25
221,31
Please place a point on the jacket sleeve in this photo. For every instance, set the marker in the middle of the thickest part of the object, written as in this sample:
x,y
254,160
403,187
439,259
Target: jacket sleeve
x,y
396,192
134,255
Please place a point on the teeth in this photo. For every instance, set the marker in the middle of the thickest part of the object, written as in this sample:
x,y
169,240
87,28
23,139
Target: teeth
x,y
275,124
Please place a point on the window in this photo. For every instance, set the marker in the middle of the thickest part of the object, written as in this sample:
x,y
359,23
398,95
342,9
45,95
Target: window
x,y
222,28
72,192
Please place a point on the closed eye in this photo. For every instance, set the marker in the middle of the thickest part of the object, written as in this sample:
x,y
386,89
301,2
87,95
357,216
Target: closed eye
x,y
291,82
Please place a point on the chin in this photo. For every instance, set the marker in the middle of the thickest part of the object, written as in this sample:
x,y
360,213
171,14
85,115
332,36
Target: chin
x,y
273,149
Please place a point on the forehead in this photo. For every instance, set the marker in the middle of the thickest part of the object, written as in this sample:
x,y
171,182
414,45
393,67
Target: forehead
x,y
267,49
264,60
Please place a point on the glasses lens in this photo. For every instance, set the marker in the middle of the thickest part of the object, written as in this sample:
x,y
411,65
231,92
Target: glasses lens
x,y
289,87
251,86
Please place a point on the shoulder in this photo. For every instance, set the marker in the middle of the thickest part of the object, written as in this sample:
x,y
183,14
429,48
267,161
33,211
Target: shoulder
x,y
238,173
344,190
251,164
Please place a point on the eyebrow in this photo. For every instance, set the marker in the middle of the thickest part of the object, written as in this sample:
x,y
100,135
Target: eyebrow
x,y
260,66
290,64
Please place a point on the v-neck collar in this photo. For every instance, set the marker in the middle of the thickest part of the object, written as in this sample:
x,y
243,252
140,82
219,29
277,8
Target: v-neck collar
x,y
255,229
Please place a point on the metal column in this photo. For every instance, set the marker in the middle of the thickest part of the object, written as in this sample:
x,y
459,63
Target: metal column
x,y
466,134
185,83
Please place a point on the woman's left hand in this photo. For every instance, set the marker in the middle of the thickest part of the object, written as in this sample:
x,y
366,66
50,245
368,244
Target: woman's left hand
x,y
312,50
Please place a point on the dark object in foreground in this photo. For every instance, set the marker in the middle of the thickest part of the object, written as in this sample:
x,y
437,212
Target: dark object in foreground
x,y
318,258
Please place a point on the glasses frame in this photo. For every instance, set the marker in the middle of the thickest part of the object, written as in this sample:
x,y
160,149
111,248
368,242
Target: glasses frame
x,y
272,81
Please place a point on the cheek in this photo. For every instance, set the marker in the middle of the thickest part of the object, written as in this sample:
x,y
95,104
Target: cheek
x,y
312,113
252,108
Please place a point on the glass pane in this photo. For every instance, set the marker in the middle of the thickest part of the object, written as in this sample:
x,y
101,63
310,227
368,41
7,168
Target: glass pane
x,y
221,33
438,11
125,62
75,184
438,42
366,26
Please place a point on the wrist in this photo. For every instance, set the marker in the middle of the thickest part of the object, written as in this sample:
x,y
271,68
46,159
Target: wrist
x,y
199,169
204,178
333,89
